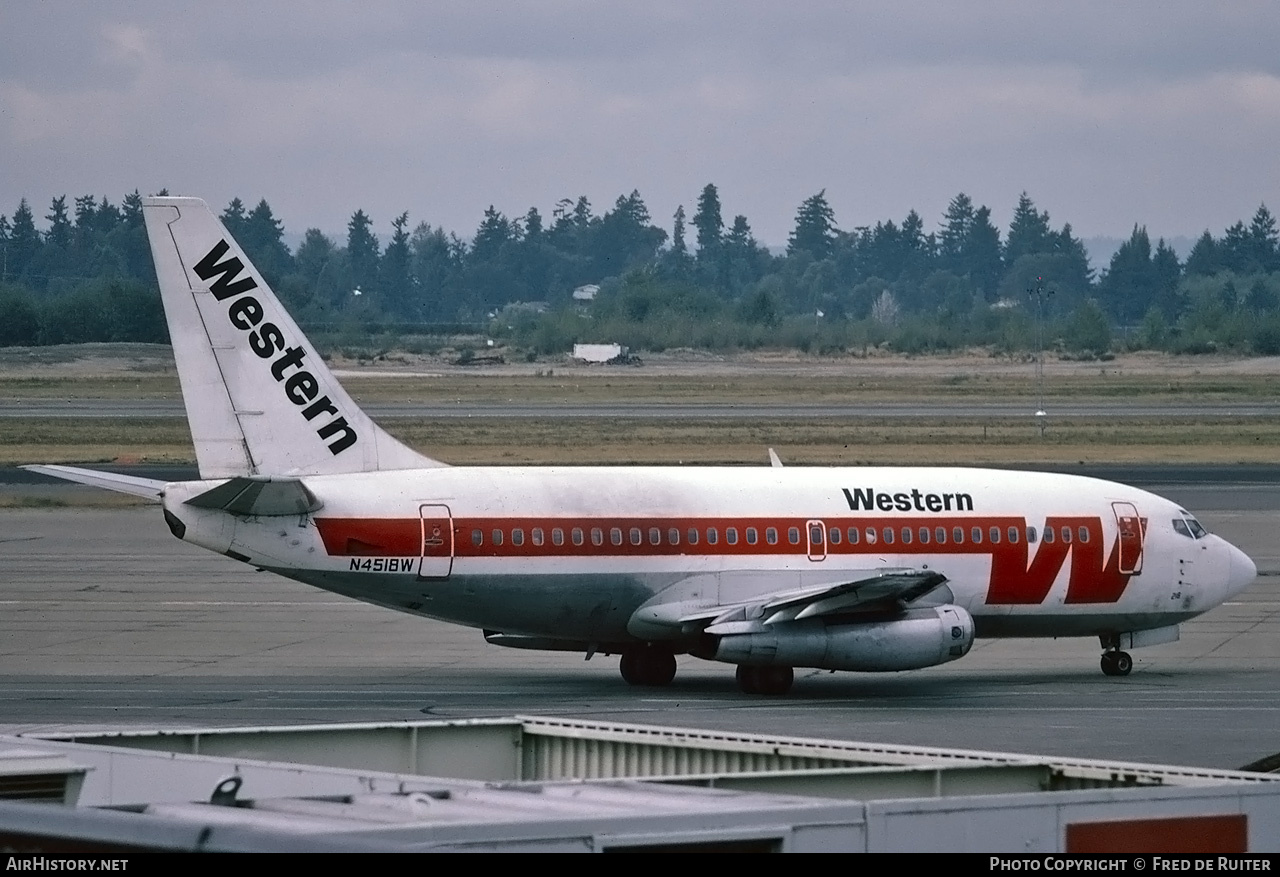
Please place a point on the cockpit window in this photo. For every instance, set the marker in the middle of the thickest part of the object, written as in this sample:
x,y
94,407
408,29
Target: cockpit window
x,y
1188,526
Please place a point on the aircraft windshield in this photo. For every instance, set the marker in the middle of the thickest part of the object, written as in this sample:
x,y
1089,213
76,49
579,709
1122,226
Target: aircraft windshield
x,y
1188,526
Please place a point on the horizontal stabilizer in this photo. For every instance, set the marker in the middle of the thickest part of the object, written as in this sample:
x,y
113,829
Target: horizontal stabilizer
x,y
147,488
259,496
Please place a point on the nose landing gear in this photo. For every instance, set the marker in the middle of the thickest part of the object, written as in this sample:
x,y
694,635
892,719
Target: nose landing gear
x,y
1116,663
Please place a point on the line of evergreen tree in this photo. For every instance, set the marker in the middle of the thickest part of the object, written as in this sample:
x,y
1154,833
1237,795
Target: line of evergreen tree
x,y
88,277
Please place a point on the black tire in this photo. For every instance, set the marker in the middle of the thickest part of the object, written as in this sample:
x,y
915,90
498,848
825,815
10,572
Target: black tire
x,y
774,681
659,666
1109,663
630,668
747,677
651,666
1123,664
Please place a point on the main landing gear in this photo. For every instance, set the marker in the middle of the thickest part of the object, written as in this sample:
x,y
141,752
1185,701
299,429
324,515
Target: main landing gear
x,y
771,680
648,665
1116,663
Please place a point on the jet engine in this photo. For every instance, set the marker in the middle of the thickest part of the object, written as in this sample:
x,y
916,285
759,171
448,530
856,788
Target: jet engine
x,y
909,640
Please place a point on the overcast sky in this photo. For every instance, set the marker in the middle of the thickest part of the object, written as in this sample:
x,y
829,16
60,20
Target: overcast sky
x,y
1161,113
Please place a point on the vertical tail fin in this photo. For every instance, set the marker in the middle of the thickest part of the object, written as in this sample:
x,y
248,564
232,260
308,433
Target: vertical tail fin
x,y
259,399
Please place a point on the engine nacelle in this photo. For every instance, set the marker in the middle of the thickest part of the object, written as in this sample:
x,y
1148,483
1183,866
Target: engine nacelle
x,y
917,638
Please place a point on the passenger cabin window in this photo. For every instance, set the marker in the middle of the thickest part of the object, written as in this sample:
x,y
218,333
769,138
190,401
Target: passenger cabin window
x,y
712,536
834,536
1031,534
597,536
752,536
731,535
771,535
673,536
976,535
906,535
692,536
635,535
853,535
477,536
793,535
940,535
957,535
994,533
517,536
615,535
888,535
538,537
497,537
1048,534
924,535
557,536
655,536
577,536
1083,534
871,536
1013,534
1066,534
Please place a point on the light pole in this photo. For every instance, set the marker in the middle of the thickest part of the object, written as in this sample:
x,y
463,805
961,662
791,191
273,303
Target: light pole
x,y
1038,291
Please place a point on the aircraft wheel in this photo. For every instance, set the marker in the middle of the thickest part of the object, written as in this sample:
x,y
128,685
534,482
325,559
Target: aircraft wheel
x,y
774,681
630,669
1117,663
649,665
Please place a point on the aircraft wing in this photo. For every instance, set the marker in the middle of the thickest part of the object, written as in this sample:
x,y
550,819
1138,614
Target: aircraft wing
x,y
860,589
147,488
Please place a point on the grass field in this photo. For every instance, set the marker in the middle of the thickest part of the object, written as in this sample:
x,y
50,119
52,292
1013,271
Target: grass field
x,y
496,440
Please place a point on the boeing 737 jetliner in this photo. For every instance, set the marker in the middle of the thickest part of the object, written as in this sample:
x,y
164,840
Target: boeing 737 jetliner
x,y
767,568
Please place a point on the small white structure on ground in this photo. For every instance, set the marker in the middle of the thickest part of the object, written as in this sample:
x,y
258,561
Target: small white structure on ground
x,y
598,352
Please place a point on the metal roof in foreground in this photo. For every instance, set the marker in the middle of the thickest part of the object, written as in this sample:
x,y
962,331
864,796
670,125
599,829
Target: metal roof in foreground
x,y
529,783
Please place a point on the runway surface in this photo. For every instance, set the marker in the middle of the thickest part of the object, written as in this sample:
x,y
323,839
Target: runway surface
x,y
149,408
107,620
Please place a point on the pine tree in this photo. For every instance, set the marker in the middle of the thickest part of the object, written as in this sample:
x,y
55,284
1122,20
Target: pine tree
x,y
1204,258
59,233
956,226
710,225
24,240
234,217
362,252
261,236
397,283
1262,239
815,230
981,255
1028,232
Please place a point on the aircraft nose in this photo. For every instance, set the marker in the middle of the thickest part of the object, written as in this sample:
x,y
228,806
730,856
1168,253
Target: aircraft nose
x,y
1241,571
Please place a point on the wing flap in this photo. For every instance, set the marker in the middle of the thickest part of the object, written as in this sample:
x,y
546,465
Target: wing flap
x,y
758,613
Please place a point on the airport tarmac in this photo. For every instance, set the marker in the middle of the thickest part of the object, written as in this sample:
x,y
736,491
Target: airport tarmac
x,y
106,620
383,411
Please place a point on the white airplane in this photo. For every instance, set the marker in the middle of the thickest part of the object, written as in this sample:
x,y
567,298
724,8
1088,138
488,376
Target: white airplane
x,y
768,568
